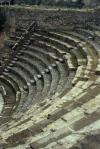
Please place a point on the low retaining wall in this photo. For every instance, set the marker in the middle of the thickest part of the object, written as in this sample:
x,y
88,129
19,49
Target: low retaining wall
x,y
51,18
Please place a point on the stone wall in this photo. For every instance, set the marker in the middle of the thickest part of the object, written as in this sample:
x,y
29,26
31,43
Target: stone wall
x,y
2,38
50,18
91,3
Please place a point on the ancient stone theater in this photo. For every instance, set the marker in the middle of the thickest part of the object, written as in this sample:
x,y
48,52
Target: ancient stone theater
x,y
50,74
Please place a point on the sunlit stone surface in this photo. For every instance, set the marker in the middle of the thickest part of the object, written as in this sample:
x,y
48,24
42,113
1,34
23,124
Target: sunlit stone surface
x,y
50,78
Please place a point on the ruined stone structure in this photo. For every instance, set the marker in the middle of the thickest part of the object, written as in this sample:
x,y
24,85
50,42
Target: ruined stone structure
x,y
91,2
50,83
7,2
67,3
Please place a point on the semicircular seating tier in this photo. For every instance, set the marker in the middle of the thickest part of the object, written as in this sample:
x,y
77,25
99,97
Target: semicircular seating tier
x,y
50,89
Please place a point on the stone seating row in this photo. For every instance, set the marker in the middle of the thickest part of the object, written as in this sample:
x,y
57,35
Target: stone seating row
x,y
54,119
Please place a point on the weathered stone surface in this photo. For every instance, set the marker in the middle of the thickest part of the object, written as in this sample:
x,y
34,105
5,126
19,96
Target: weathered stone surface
x,y
50,86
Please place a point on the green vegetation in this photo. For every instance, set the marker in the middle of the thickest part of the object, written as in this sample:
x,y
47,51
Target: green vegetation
x,y
68,3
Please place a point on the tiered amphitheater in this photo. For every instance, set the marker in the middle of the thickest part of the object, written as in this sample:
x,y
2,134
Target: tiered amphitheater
x,y
50,85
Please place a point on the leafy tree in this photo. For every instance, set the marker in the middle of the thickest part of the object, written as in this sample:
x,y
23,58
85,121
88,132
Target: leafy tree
x,y
2,21
68,3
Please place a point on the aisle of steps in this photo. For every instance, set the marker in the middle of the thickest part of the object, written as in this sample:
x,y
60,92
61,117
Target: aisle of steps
x,y
11,95
53,84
